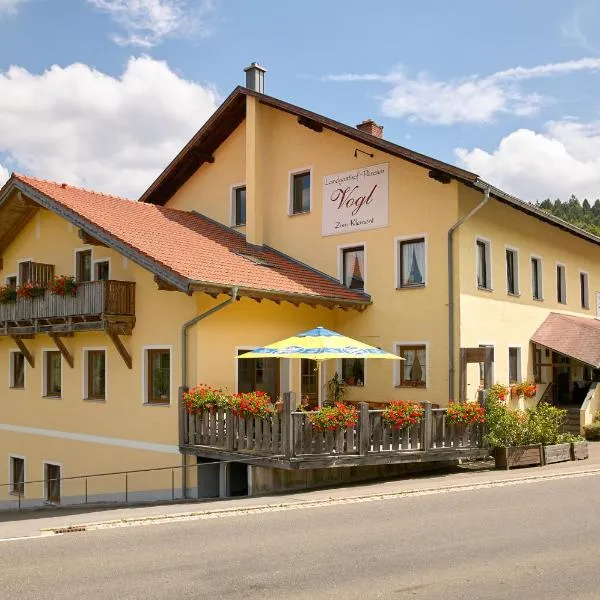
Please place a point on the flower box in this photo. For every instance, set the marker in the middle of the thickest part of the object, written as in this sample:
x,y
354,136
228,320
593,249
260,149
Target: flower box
x,y
518,456
579,450
555,453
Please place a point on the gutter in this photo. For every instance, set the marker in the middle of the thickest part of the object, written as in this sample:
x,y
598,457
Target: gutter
x,y
184,331
451,363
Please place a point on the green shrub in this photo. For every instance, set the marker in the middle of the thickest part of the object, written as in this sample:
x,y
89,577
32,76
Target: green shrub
x,y
592,432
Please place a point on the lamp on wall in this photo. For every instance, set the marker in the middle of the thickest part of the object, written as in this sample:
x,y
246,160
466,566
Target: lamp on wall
x,y
357,150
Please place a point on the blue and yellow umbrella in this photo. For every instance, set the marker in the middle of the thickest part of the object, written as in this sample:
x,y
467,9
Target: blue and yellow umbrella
x,y
319,344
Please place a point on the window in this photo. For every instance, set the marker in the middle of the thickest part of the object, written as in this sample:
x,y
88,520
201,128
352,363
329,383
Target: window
x,y
52,374
537,365
584,291
413,369
11,281
95,375
52,482
83,265
512,272
353,268
24,272
353,371
258,374
484,280
561,284
17,475
309,379
536,278
300,193
17,370
482,378
239,206
158,367
514,365
412,263
37,273
102,270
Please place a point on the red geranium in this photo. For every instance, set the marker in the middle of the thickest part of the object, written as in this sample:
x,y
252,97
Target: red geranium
x,y
400,414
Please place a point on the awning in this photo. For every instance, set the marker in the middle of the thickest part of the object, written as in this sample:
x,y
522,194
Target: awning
x,y
576,337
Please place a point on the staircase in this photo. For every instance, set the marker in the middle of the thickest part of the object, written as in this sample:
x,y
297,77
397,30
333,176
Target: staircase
x,y
571,424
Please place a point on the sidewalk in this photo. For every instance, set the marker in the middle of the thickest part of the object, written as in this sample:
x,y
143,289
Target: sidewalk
x,y
472,475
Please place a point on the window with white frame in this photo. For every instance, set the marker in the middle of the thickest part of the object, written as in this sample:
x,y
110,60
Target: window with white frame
x,y
17,475
412,262
94,375
300,193
158,375
17,370
353,267
512,271
413,369
561,284
353,371
514,364
83,265
484,279
101,270
584,290
238,203
52,374
536,278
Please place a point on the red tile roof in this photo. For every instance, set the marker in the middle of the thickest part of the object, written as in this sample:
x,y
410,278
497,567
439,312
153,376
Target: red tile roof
x,y
193,246
577,337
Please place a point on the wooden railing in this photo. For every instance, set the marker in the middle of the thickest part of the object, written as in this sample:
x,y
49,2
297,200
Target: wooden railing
x,y
93,298
295,437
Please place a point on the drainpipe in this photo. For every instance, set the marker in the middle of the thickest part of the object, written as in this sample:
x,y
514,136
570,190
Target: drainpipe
x,y
184,331
451,365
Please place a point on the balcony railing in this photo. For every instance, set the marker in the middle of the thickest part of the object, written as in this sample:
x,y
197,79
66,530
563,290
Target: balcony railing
x,y
93,300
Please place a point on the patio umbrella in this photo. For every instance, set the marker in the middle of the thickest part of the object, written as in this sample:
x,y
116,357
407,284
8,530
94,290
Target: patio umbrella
x,y
319,344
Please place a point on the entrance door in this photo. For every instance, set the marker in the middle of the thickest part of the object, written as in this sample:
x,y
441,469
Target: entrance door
x,y
52,483
562,379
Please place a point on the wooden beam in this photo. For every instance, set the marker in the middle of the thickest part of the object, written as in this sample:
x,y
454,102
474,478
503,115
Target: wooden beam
x,y
56,338
163,285
114,336
25,351
86,238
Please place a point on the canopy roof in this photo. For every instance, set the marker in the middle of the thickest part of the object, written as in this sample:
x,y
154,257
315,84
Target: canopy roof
x,y
577,337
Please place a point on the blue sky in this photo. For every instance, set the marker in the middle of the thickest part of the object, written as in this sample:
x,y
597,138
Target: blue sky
x,y
103,93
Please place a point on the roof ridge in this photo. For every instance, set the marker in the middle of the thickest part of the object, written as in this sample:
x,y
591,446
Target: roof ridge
x,y
65,185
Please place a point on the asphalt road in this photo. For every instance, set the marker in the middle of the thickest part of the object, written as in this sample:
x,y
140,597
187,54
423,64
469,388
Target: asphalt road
x,y
529,541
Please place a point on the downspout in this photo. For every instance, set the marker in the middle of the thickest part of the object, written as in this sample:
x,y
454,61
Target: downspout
x,y
451,364
184,331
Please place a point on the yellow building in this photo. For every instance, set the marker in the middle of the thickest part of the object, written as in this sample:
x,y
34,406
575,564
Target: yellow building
x,y
271,220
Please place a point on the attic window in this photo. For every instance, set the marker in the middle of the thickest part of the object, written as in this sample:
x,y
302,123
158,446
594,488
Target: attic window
x,y
257,260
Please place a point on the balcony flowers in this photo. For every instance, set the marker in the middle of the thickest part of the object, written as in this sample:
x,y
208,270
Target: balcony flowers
x,y
30,290
63,285
332,418
400,414
465,413
498,392
204,398
526,389
7,294
251,404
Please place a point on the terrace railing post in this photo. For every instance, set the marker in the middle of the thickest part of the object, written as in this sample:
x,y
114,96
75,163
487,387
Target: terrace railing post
x,y
364,431
287,439
230,430
427,425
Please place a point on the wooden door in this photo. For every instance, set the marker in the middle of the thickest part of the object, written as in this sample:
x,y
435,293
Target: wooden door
x,y
53,483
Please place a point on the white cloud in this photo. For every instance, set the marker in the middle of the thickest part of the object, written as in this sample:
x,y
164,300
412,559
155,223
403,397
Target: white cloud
x,y
114,134
148,22
10,7
4,174
562,160
574,29
473,99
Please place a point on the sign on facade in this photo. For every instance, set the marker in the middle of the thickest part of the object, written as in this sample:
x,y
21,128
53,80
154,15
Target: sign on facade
x,y
355,200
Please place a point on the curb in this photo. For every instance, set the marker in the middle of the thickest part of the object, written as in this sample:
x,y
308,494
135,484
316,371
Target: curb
x,y
305,504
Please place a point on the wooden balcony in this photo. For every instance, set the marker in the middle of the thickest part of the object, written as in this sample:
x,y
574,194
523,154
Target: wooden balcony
x,y
97,305
292,443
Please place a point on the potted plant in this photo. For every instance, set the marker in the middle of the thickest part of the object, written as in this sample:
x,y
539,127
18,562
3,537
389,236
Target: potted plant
x,y
400,414
336,388
251,404
204,398
333,418
546,422
63,285
7,294
30,290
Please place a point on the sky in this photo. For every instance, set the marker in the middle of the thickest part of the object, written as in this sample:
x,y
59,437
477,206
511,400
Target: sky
x,y
104,93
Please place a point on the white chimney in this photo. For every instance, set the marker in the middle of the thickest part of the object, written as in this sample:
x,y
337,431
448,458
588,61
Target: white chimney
x,y
255,78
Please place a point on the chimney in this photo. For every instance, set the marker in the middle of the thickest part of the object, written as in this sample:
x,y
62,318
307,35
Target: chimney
x,y
255,78
369,126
